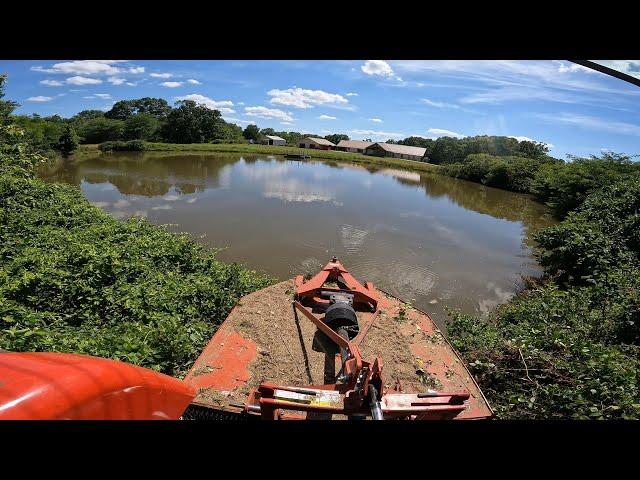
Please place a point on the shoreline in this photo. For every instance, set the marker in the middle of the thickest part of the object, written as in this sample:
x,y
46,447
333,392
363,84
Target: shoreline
x,y
329,155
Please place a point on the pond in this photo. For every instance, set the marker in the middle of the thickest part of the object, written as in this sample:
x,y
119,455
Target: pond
x,y
425,238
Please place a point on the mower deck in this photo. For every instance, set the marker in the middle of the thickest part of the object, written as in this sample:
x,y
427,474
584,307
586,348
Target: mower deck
x,y
261,341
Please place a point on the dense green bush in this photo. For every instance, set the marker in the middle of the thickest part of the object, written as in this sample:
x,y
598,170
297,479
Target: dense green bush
x,y
119,146
100,129
564,186
548,353
509,173
569,347
73,279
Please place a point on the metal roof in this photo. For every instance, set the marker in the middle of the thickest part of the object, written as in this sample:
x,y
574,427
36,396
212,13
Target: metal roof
x,y
402,149
273,137
354,144
321,141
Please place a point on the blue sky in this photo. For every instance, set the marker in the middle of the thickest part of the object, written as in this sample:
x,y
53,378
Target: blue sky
x,y
573,109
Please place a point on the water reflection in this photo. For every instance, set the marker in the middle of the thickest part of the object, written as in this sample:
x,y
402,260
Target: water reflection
x,y
423,237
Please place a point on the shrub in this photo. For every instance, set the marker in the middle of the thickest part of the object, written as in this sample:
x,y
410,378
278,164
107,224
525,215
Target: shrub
x,y
119,146
564,186
74,279
509,173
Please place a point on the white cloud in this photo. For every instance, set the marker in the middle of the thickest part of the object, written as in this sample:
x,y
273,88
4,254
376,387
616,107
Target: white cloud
x,y
527,139
440,132
378,134
286,123
303,98
161,75
264,112
521,138
326,117
351,94
51,83
171,84
104,96
377,67
135,70
223,106
592,123
131,84
79,80
375,120
193,81
572,67
630,67
431,103
499,81
82,67
240,122
39,98
116,80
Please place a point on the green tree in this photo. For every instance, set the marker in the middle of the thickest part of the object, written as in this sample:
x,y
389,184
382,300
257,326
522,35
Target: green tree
x,y
336,137
124,109
533,149
251,132
41,133
142,126
85,115
101,129
121,110
191,123
227,133
6,106
156,107
68,142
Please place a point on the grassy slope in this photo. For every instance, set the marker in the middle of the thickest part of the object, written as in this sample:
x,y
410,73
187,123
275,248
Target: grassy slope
x,y
275,150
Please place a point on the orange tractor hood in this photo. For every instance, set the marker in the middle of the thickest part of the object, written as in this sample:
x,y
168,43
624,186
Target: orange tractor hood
x,y
67,386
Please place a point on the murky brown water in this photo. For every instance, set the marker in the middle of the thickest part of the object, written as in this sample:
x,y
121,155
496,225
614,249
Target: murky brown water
x,y
425,238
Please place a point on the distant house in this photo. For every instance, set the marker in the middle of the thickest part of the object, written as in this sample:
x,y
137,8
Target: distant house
x,y
356,146
317,143
395,151
273,140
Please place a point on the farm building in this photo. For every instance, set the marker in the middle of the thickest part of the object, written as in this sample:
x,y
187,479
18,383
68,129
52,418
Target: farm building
x,y
273,140
317,143
356,146
395,151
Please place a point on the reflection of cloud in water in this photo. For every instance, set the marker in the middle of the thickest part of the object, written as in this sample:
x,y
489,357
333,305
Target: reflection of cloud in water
x,y
352,238
276,184
446,232
401,174
401,279
121,214
171,198
101,204
293,190
417,215
224,177
108,188
500,296
162,207
192,200
122,203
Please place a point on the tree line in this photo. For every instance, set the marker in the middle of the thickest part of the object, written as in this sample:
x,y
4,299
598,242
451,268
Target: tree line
x,y
154,120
